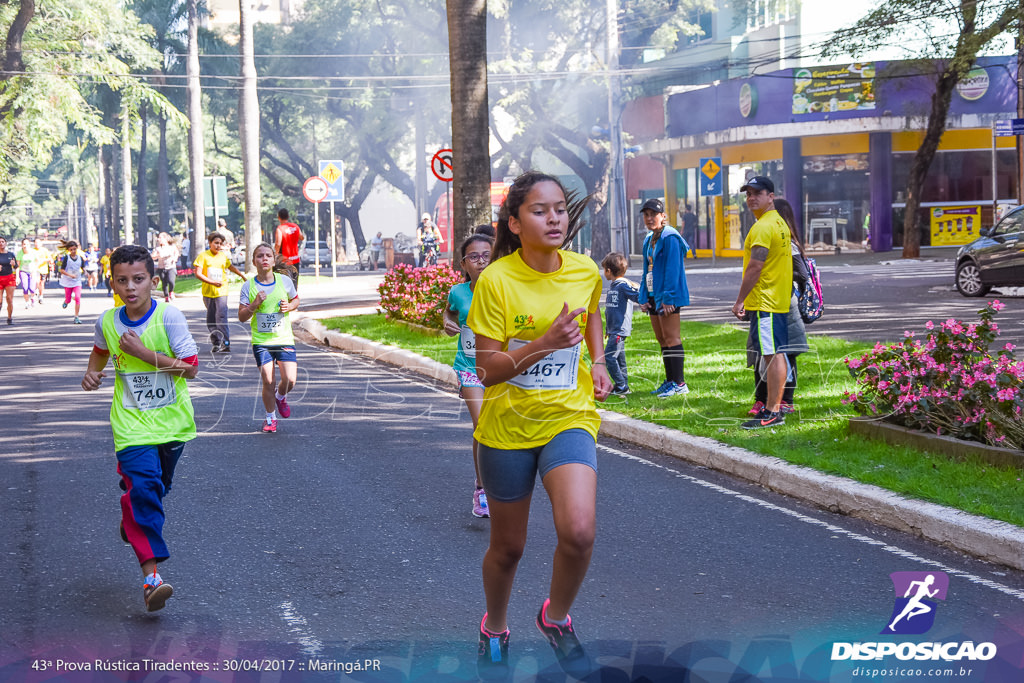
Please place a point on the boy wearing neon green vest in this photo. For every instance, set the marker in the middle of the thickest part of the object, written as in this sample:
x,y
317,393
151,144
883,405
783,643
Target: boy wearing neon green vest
x,y
151,416
266,300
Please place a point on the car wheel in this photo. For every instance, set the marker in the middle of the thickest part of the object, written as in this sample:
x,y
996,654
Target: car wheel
x,y
968,280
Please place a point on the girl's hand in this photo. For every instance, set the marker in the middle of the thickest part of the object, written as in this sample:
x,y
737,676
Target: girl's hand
x,y
667,309
451,327
258,300
287,306
645,307
564,332
602,382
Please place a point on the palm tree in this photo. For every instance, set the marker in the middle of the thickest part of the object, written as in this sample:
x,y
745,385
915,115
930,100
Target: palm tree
x,y
467,49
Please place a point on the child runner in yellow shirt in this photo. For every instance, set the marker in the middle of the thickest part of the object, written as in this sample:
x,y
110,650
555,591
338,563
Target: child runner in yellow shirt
x,y
533,310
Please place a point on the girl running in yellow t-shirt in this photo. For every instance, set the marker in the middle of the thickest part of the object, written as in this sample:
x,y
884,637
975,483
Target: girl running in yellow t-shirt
x,y
533,309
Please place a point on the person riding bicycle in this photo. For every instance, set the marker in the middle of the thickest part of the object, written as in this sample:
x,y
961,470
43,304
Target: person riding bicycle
x,y
429,239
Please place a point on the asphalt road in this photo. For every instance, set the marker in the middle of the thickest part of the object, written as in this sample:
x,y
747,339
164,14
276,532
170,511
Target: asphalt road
x,y
347,537
867,302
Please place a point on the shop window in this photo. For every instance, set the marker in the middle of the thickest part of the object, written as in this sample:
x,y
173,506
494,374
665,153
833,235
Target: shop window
x,y
836,202
700,17
959,176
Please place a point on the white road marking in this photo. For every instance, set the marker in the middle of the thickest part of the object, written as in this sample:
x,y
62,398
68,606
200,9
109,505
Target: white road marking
x,y
298,626
900,552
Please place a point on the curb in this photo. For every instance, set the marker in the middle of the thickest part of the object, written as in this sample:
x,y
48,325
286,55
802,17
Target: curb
x,y
988,539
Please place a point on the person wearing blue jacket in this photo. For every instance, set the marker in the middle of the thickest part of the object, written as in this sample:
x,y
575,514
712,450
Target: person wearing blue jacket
x,y
663,292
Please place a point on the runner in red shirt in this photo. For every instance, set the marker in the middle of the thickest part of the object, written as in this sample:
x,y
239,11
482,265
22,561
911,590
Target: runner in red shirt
x,y
286,242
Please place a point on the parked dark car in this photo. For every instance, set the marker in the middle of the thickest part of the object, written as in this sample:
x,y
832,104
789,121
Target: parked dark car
x,y
996,258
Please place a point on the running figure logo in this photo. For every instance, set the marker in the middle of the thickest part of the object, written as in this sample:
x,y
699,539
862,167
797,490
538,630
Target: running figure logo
x,y
916,592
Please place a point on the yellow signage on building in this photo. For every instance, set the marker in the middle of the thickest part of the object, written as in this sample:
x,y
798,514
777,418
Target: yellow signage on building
x,y
955,225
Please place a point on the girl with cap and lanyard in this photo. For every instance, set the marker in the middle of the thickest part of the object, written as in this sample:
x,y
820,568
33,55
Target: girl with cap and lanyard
x,y
663,292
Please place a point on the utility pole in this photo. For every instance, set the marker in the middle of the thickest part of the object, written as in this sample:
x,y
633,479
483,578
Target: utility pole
x,y
1020,101
617,189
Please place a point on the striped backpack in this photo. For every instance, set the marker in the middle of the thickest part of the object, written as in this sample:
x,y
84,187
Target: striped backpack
x,y
811,302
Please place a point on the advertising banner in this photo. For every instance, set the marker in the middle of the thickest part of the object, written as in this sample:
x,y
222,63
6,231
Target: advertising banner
x,y
955,225
834,88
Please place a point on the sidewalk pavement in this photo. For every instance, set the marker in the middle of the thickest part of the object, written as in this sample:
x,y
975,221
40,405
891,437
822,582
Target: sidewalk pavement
x,y
981,537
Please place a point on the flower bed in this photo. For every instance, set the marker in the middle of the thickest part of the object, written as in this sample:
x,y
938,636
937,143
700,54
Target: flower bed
x,y
417,295
950,384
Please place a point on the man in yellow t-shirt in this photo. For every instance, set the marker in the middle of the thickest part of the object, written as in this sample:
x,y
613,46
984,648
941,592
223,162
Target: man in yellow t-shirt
x,y
210,268
765,292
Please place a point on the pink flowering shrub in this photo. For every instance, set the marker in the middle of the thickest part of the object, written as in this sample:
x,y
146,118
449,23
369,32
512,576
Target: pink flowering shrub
x,y
948,384
417,295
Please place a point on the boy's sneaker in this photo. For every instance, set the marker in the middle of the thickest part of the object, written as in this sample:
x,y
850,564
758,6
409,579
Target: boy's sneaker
x,y
563,641
270,427
480,504
492,654
78,321
156,596
766,419
662,388
283,409
625,391
674,389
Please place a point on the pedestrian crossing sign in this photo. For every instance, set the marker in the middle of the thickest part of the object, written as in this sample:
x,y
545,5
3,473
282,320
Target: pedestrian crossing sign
x,y
711,177
333,172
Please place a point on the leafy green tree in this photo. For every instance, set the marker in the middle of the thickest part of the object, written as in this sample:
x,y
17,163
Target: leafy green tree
x,y
56,52
550,84
921,28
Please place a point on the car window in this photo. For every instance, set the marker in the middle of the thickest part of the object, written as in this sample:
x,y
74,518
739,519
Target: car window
x,y
1011,224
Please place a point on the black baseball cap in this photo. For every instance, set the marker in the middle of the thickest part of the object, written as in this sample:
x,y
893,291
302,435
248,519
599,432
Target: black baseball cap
x,y
655,205
759,182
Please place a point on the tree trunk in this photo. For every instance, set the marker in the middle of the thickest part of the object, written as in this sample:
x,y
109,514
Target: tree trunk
x,y
923,160
467,49
249,130
126,179
195,133
163,183
140,174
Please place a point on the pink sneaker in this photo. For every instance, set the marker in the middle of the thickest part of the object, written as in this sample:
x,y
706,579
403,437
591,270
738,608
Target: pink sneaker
x,y
270,427
756,410
282,406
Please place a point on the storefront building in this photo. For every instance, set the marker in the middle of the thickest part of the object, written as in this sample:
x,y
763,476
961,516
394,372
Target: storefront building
x,y
838,142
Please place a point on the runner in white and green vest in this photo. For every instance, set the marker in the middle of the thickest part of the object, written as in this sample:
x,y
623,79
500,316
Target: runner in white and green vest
x,y
266,300
151,416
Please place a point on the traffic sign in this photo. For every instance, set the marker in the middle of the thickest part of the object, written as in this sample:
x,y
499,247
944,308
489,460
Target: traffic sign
x,y
710,176
315,189
334,173
442,165
1009,127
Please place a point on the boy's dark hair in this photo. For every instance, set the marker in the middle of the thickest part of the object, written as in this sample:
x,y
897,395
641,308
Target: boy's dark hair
x,y
216,236
505,241
476,237
616,263
69,244
484,229
283,214
132,253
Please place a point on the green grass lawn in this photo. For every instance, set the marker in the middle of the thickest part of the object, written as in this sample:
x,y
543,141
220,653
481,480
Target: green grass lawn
x,y
721,392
